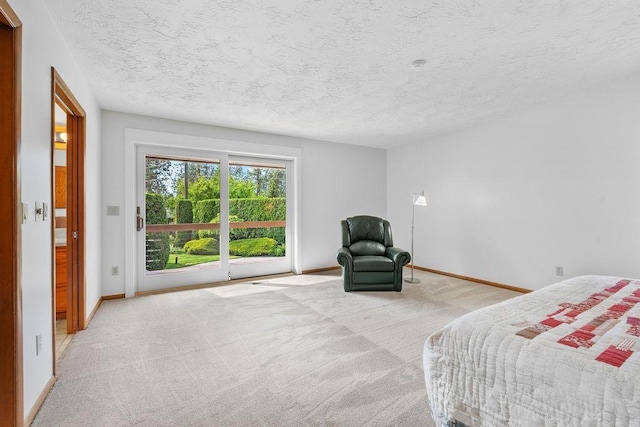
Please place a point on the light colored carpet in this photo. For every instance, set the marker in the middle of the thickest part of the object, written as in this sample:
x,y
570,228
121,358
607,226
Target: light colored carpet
x,y
280,352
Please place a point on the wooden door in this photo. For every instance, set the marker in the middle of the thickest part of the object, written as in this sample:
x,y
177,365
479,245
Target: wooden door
x,y
75,203
11,378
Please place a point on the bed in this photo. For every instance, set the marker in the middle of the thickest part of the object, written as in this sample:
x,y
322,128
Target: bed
x,y
565,355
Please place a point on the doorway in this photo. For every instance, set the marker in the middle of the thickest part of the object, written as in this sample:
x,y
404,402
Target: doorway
x,y
60,140
68,226
11,387
167,187
206,217
259,227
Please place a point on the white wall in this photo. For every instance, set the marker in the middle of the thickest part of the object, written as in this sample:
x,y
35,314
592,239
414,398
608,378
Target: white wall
x,y
44,47
510,200
337,181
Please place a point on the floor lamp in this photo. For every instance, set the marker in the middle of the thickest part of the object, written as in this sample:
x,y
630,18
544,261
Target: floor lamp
x,y
418,200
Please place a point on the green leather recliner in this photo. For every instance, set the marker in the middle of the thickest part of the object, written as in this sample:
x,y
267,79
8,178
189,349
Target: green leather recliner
x,y
368,258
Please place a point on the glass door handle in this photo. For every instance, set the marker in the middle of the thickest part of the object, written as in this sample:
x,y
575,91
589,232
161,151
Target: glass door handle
x,y
139,220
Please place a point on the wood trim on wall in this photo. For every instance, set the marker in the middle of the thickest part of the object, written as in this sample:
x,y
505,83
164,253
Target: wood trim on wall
x,y
76,134
94,311
320,270
444,273
110,297
99,303
65,95
11,354
78,207
41,398
473,279
8,16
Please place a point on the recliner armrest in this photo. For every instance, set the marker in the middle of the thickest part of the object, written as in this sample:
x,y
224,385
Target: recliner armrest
x,y
344,257
399,256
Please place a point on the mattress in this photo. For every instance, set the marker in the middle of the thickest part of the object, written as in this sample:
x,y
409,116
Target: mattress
x,y
565,355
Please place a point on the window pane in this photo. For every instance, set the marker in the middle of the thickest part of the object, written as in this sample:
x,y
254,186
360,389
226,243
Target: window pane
x,y
182,214
257,212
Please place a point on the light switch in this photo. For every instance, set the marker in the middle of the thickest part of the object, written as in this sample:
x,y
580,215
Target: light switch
x,y
113,210
45,211
38,215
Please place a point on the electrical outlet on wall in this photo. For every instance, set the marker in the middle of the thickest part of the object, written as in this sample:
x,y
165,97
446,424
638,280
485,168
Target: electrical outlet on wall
x,y
115,270
559,270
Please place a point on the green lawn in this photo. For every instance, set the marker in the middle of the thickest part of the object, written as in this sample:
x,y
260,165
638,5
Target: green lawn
x,y
238,249
186,260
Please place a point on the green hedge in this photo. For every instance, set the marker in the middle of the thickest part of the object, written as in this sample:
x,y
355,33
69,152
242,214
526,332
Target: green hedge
x,y
208,246
203,234
184,211
253,247
155,209
254,209
156,244
206,210
259,209
184,215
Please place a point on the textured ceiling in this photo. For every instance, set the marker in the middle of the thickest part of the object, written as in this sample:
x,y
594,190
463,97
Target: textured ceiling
x,y
340,70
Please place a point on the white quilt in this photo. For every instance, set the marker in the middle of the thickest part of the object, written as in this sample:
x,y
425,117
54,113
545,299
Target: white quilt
x,y
565,355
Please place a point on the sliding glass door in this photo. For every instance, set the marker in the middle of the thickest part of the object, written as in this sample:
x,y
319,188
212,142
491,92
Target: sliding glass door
x,y
259,206
204,217
175,247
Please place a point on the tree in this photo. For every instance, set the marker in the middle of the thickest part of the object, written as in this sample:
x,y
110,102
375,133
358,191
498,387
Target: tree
x,y
239,189
260,179
269,182
204,188
277,183
202,169
238,172
158,176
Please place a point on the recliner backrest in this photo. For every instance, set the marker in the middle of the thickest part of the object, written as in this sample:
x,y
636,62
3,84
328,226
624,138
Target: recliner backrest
x,y
366,235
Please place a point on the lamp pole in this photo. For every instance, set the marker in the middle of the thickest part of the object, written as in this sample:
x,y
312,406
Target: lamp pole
x,y
421,201
413,216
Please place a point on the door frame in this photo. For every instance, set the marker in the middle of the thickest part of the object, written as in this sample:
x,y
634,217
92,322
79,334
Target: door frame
x,y
136,137
11,350
240,271
177,278
76,135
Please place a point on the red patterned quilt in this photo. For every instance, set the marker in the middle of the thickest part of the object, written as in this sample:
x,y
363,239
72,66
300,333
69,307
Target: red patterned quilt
x,y
568,354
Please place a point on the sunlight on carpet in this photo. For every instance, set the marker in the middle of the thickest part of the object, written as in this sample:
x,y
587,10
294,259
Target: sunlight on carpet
x,y
268,285
230,291
286,351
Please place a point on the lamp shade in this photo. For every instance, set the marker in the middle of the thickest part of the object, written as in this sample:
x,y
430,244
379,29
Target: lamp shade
x,y
420,200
